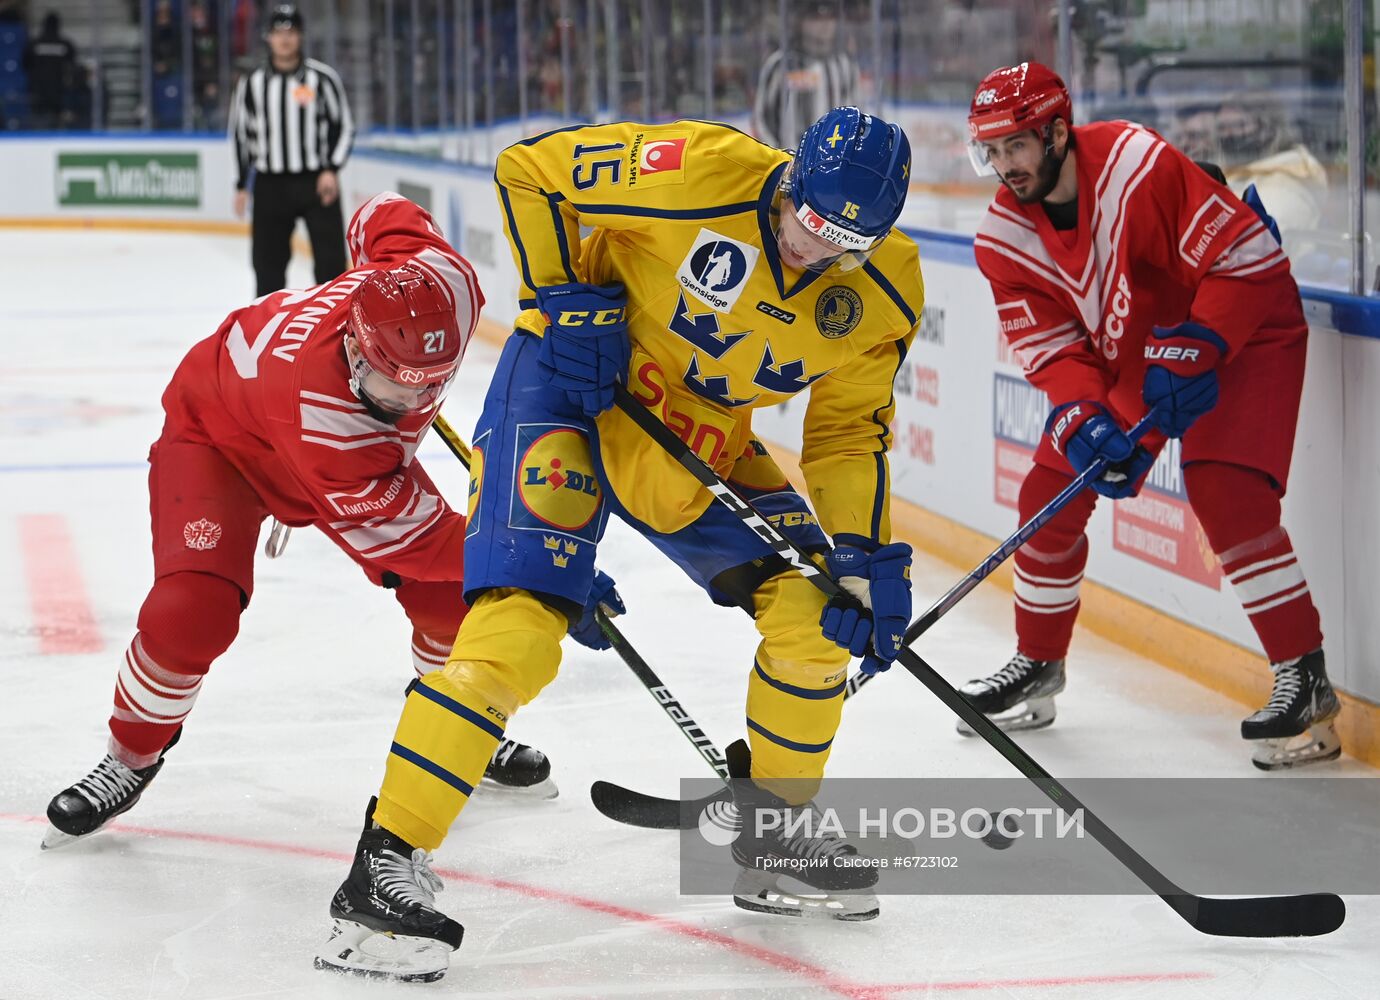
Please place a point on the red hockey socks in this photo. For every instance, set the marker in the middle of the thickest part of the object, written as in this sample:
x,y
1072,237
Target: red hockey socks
x,y
187,621
1049,567
1239,509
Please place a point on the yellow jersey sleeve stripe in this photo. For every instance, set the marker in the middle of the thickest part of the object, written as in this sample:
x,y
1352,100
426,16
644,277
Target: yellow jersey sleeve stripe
x,y
876,275
881,496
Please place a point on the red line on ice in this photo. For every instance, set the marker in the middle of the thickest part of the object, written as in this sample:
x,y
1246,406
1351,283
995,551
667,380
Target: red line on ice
x,y
786,963
57,594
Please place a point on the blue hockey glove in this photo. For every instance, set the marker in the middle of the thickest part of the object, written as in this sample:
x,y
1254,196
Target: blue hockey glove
x,y
602,594
1085,432
1181,375
585,349
876,603
1252,198
874,664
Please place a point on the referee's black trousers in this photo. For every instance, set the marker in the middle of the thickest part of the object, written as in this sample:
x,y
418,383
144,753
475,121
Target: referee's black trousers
x,y
279,201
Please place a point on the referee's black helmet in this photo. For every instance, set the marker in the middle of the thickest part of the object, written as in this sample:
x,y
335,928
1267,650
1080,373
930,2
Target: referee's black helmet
x,y
285,15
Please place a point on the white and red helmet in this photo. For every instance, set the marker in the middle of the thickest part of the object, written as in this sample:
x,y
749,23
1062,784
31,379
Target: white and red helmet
x,y
404,323
1015,99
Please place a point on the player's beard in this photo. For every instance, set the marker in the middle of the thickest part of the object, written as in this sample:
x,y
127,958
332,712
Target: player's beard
x,y
378,412
1046,177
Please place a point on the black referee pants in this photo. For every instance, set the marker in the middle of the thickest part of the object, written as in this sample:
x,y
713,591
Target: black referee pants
x,y
279,201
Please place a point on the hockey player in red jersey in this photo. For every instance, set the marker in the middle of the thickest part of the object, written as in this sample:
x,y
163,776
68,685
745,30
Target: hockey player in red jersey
x,y
1127,280
308,406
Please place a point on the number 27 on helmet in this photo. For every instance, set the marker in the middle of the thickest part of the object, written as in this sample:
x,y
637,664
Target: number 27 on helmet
x,y
403,339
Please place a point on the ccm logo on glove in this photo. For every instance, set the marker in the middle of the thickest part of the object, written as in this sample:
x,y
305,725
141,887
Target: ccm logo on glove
x,y
580,317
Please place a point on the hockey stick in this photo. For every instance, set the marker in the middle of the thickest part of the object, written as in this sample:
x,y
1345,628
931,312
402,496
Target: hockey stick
x,y
1004,551
706,747
626,805
1267,916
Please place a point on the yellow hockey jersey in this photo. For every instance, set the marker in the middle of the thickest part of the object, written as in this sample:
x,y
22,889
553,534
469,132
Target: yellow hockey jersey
x,y
684,215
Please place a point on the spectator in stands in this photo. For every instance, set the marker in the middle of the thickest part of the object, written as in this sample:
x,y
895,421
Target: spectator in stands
x,y
166,47
205,68
1248,137
50,63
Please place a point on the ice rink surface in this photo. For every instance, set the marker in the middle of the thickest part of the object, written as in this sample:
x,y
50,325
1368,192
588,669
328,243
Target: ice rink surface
x,y
216,885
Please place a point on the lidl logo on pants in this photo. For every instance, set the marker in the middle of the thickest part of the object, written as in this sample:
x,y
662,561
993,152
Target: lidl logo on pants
x,y
556,484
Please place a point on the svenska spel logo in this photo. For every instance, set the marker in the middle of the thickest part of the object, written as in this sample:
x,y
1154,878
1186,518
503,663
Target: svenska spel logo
x,y
662,154
656,159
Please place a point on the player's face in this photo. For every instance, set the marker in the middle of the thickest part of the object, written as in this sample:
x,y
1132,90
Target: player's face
x,y
387,400
801,249
819,34
1017,160
285,43
1023,165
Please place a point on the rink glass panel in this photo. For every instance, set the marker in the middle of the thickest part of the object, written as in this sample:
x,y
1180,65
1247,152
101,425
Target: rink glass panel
x,y
1239,83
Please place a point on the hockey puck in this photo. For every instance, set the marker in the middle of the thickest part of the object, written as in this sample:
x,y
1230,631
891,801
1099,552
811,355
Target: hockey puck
x,y
994,838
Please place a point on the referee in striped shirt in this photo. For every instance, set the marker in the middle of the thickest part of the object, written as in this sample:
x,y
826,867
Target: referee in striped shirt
x,y
292,131
795,88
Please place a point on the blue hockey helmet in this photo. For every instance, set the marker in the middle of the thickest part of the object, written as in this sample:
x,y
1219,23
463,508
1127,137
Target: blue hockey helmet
x,y
848,182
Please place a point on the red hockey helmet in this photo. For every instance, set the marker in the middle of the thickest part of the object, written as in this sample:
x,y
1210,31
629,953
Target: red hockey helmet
x,y
408,339
1014,99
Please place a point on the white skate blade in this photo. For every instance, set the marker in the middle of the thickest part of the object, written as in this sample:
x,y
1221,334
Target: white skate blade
x,y
1037,713
53,838
356,950
762,892
1319,744
544,789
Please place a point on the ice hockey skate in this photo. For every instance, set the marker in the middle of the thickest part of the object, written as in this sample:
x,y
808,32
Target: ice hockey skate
x,y
1296,725
385,922
519,769
110,789
1018,696
793,875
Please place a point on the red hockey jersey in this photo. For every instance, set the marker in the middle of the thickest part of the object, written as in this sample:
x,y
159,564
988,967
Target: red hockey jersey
x,y
270,390
1158,242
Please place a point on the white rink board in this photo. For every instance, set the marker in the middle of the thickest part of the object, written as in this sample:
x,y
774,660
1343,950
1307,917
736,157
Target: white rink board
x,y
39,185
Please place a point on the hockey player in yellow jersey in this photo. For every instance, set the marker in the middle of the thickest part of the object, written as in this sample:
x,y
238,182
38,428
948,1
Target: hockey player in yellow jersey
x,y
718,275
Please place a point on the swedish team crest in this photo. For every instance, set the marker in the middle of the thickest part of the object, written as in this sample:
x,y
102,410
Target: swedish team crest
x,y
838,312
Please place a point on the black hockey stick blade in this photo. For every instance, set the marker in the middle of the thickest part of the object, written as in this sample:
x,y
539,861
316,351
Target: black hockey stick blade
x,y
1309,915
623,805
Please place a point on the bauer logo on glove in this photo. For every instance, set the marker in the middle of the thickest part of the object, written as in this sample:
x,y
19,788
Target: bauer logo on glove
x,y
1181,376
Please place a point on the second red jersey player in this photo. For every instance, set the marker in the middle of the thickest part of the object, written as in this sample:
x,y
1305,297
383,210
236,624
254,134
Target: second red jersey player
x,y
307,406
1127,280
